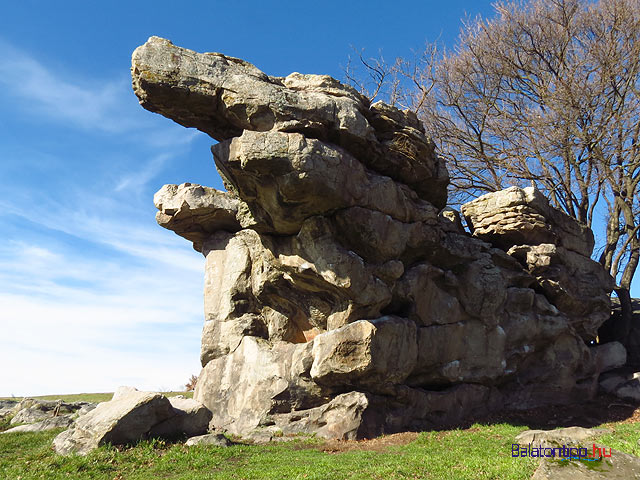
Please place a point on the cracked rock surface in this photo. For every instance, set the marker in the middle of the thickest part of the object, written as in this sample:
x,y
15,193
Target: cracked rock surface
x,y
342,297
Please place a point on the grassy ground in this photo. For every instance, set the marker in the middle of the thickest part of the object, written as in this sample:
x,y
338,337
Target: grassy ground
x,y
481,451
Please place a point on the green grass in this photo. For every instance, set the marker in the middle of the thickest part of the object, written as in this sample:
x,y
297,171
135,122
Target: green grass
x,y
479,452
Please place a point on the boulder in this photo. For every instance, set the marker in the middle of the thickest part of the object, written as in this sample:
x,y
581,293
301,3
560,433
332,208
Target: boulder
x,y
224,96
614,329
552,246
600,462
215,439
619,466
523,216
195,212
34,410
576,285
126,419
569,436
609,356
370,353
189,418
342,298
242,388
50,423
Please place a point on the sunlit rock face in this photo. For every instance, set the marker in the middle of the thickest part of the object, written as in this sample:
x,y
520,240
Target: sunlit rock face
x,y
342,297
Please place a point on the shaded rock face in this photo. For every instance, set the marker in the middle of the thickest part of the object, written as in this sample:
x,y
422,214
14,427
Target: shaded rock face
x,y
611,330
341,297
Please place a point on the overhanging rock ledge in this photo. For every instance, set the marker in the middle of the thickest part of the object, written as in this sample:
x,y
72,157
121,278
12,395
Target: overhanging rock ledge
x,y
341,296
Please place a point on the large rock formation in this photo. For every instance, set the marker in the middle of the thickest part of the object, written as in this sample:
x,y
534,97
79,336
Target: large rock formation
x,y
342,297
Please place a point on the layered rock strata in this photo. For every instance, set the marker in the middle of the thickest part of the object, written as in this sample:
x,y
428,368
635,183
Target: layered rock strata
x,y
342,297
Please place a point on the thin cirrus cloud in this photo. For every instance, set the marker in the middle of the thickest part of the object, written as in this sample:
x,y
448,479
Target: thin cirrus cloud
x,y
131,316
94,294
88,104
94,107
131,321
131,308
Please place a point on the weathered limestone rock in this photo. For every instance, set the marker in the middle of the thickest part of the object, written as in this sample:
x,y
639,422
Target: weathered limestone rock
x,y
523,216
259,378
286,178
341,297
620,466
195,212
215,439
366,353
578,286
569,436
601,462
32,410
224,96
551,246
624,385
51,423
126,419
189,418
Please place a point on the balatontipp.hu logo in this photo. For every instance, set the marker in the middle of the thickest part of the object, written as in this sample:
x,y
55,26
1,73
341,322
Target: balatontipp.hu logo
x,y
563,453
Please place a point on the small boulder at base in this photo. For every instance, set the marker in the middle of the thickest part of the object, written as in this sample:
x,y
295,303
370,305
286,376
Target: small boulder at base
x,y
561,436
216,439
128,418
619,466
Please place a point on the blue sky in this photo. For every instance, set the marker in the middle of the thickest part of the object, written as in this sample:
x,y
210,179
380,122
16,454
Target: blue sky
x,y
93,294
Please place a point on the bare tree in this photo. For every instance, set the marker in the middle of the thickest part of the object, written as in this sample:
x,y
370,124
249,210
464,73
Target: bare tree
x,y
548,92
191,384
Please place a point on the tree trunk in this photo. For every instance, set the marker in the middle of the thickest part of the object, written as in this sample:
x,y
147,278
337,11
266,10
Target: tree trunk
x,y
623,327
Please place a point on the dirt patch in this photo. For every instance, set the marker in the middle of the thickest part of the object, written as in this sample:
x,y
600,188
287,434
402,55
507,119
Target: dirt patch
x,y
379,444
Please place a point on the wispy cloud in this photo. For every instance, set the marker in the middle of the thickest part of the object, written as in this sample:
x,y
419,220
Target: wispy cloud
x,y
83,102
93,293
92,106
64,311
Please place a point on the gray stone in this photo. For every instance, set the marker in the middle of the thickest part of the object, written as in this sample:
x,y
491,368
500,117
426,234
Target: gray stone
x,y
619,466
195,212
341,297
609,356
215,439
34,410
614,330
287,178
576,285
243,387
629,390
50,423
189,418
371,353
128,418
570,436
523,216
224,96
